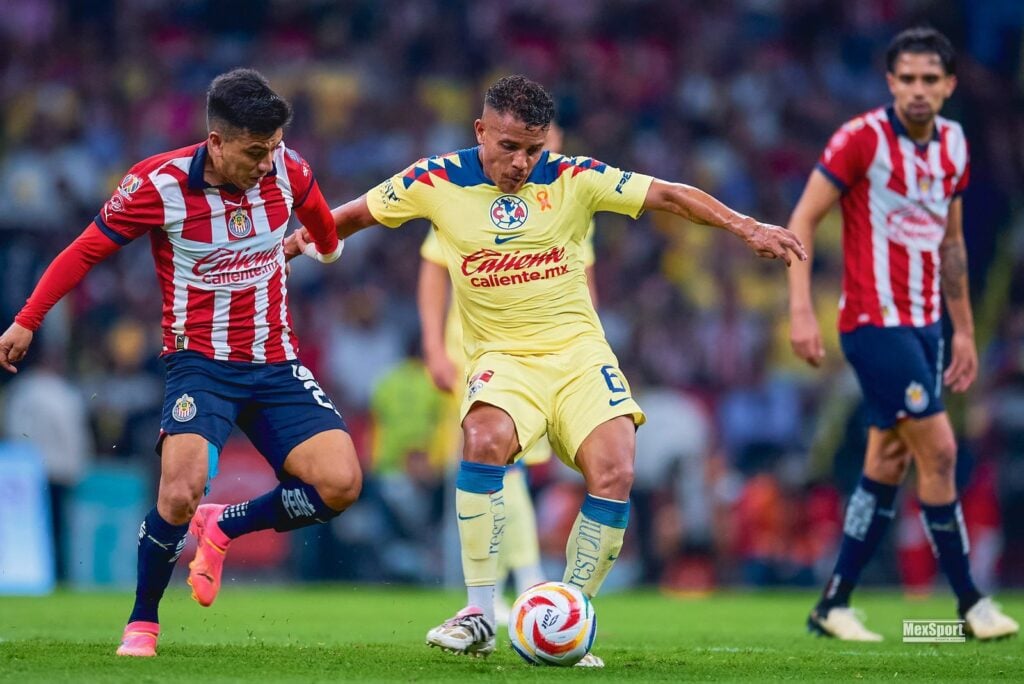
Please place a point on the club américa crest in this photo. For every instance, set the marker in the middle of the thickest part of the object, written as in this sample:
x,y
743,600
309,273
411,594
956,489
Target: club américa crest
x,y
184,409
509,212
239,223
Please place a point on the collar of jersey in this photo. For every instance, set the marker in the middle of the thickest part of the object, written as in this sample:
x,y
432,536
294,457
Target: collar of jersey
x,y
899,129
195,173
471,161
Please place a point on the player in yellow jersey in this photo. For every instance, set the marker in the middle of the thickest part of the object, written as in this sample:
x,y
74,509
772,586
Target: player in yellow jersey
x,y
442,351
511,219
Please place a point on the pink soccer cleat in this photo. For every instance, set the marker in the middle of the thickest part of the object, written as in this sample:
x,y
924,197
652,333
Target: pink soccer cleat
x,y
139,639
212,544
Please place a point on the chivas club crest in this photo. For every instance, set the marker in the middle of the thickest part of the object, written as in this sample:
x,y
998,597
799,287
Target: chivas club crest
x,y
916,397
184,409
239,223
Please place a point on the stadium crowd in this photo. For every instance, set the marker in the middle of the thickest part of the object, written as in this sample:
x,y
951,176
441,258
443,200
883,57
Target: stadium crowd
x,y
747,457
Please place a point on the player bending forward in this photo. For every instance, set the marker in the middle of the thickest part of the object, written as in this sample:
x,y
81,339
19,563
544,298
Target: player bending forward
x,y
216,213
511,219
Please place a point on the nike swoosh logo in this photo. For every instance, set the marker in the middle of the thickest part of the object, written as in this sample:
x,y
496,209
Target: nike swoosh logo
x,y
469,517
499,240
616,402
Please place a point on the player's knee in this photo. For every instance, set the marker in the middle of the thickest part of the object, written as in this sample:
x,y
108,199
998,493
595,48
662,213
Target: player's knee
x,y
340,488
484,445
178,500
612,481
941,463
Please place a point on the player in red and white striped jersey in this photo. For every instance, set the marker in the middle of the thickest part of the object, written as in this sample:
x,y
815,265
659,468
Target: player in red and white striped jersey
x,y
898,173
216,213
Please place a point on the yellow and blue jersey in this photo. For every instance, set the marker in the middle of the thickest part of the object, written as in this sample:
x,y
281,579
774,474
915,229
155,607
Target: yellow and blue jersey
x,y
453,343
516,261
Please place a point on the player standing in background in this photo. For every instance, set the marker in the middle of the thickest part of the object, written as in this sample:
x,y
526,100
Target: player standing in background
x,y
216,213
898,173
511,219
445,359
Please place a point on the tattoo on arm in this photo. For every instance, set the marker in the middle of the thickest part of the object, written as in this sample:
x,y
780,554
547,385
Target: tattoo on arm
x,y
954,269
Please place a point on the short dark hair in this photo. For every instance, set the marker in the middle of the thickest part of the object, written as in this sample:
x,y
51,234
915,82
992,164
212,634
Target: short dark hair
x,y
242,99
921,39
525,99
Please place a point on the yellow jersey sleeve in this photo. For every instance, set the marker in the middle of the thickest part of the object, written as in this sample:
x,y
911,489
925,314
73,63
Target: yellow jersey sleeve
x,y
401,198
612,189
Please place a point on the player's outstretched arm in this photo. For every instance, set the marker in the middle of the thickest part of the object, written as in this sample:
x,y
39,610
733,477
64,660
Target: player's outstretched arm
x,y
963,365
349,218
804,332
60,277
432,301
767,241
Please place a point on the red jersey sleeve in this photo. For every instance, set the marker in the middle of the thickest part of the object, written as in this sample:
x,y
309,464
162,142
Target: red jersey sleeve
x,y
848,154
133,210
64,272
300,176
316,217
309,203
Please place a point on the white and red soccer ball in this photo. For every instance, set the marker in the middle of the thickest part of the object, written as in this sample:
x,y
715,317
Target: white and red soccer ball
x,y
552,624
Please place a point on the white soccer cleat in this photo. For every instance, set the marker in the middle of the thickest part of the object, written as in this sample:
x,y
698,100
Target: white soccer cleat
x,y
985,620
468,633
590,660
841,623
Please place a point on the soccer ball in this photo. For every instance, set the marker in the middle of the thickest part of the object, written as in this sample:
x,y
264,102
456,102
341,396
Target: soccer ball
x,y
552,624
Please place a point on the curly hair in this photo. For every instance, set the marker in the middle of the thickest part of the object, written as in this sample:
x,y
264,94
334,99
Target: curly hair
x,y
525,99
242,99
919,40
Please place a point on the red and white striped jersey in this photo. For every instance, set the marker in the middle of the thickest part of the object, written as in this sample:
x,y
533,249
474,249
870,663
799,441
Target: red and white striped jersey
x,y
218,251
895,205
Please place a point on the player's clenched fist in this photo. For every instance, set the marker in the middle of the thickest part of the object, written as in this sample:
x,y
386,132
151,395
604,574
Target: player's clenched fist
x,y
773,242
13,345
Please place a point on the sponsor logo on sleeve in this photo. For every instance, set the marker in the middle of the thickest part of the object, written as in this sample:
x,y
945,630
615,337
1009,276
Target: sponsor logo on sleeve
x,y
626,175
388,196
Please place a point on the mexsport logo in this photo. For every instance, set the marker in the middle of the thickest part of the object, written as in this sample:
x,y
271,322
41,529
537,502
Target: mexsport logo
x,y
509,212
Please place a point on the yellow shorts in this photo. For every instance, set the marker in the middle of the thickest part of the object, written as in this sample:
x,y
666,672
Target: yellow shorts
x,y
566,395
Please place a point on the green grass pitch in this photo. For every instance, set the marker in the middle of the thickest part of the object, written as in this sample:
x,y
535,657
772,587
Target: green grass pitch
x,y
335,633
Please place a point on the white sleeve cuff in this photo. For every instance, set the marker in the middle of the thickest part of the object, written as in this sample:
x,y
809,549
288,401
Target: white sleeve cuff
x,y
312,253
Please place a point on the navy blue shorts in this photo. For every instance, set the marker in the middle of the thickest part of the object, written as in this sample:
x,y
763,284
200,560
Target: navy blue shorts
x,y
899,370
277,405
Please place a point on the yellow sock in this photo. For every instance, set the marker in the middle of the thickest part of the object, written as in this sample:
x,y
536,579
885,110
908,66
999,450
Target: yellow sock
x,y
520,548
595,542
480,507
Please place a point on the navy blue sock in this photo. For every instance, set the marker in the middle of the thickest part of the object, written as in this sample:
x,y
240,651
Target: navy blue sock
x,y
945,529
289,506
160,544
867,517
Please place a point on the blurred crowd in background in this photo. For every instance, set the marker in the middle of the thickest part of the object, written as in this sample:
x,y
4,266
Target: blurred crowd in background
x,y
744,466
